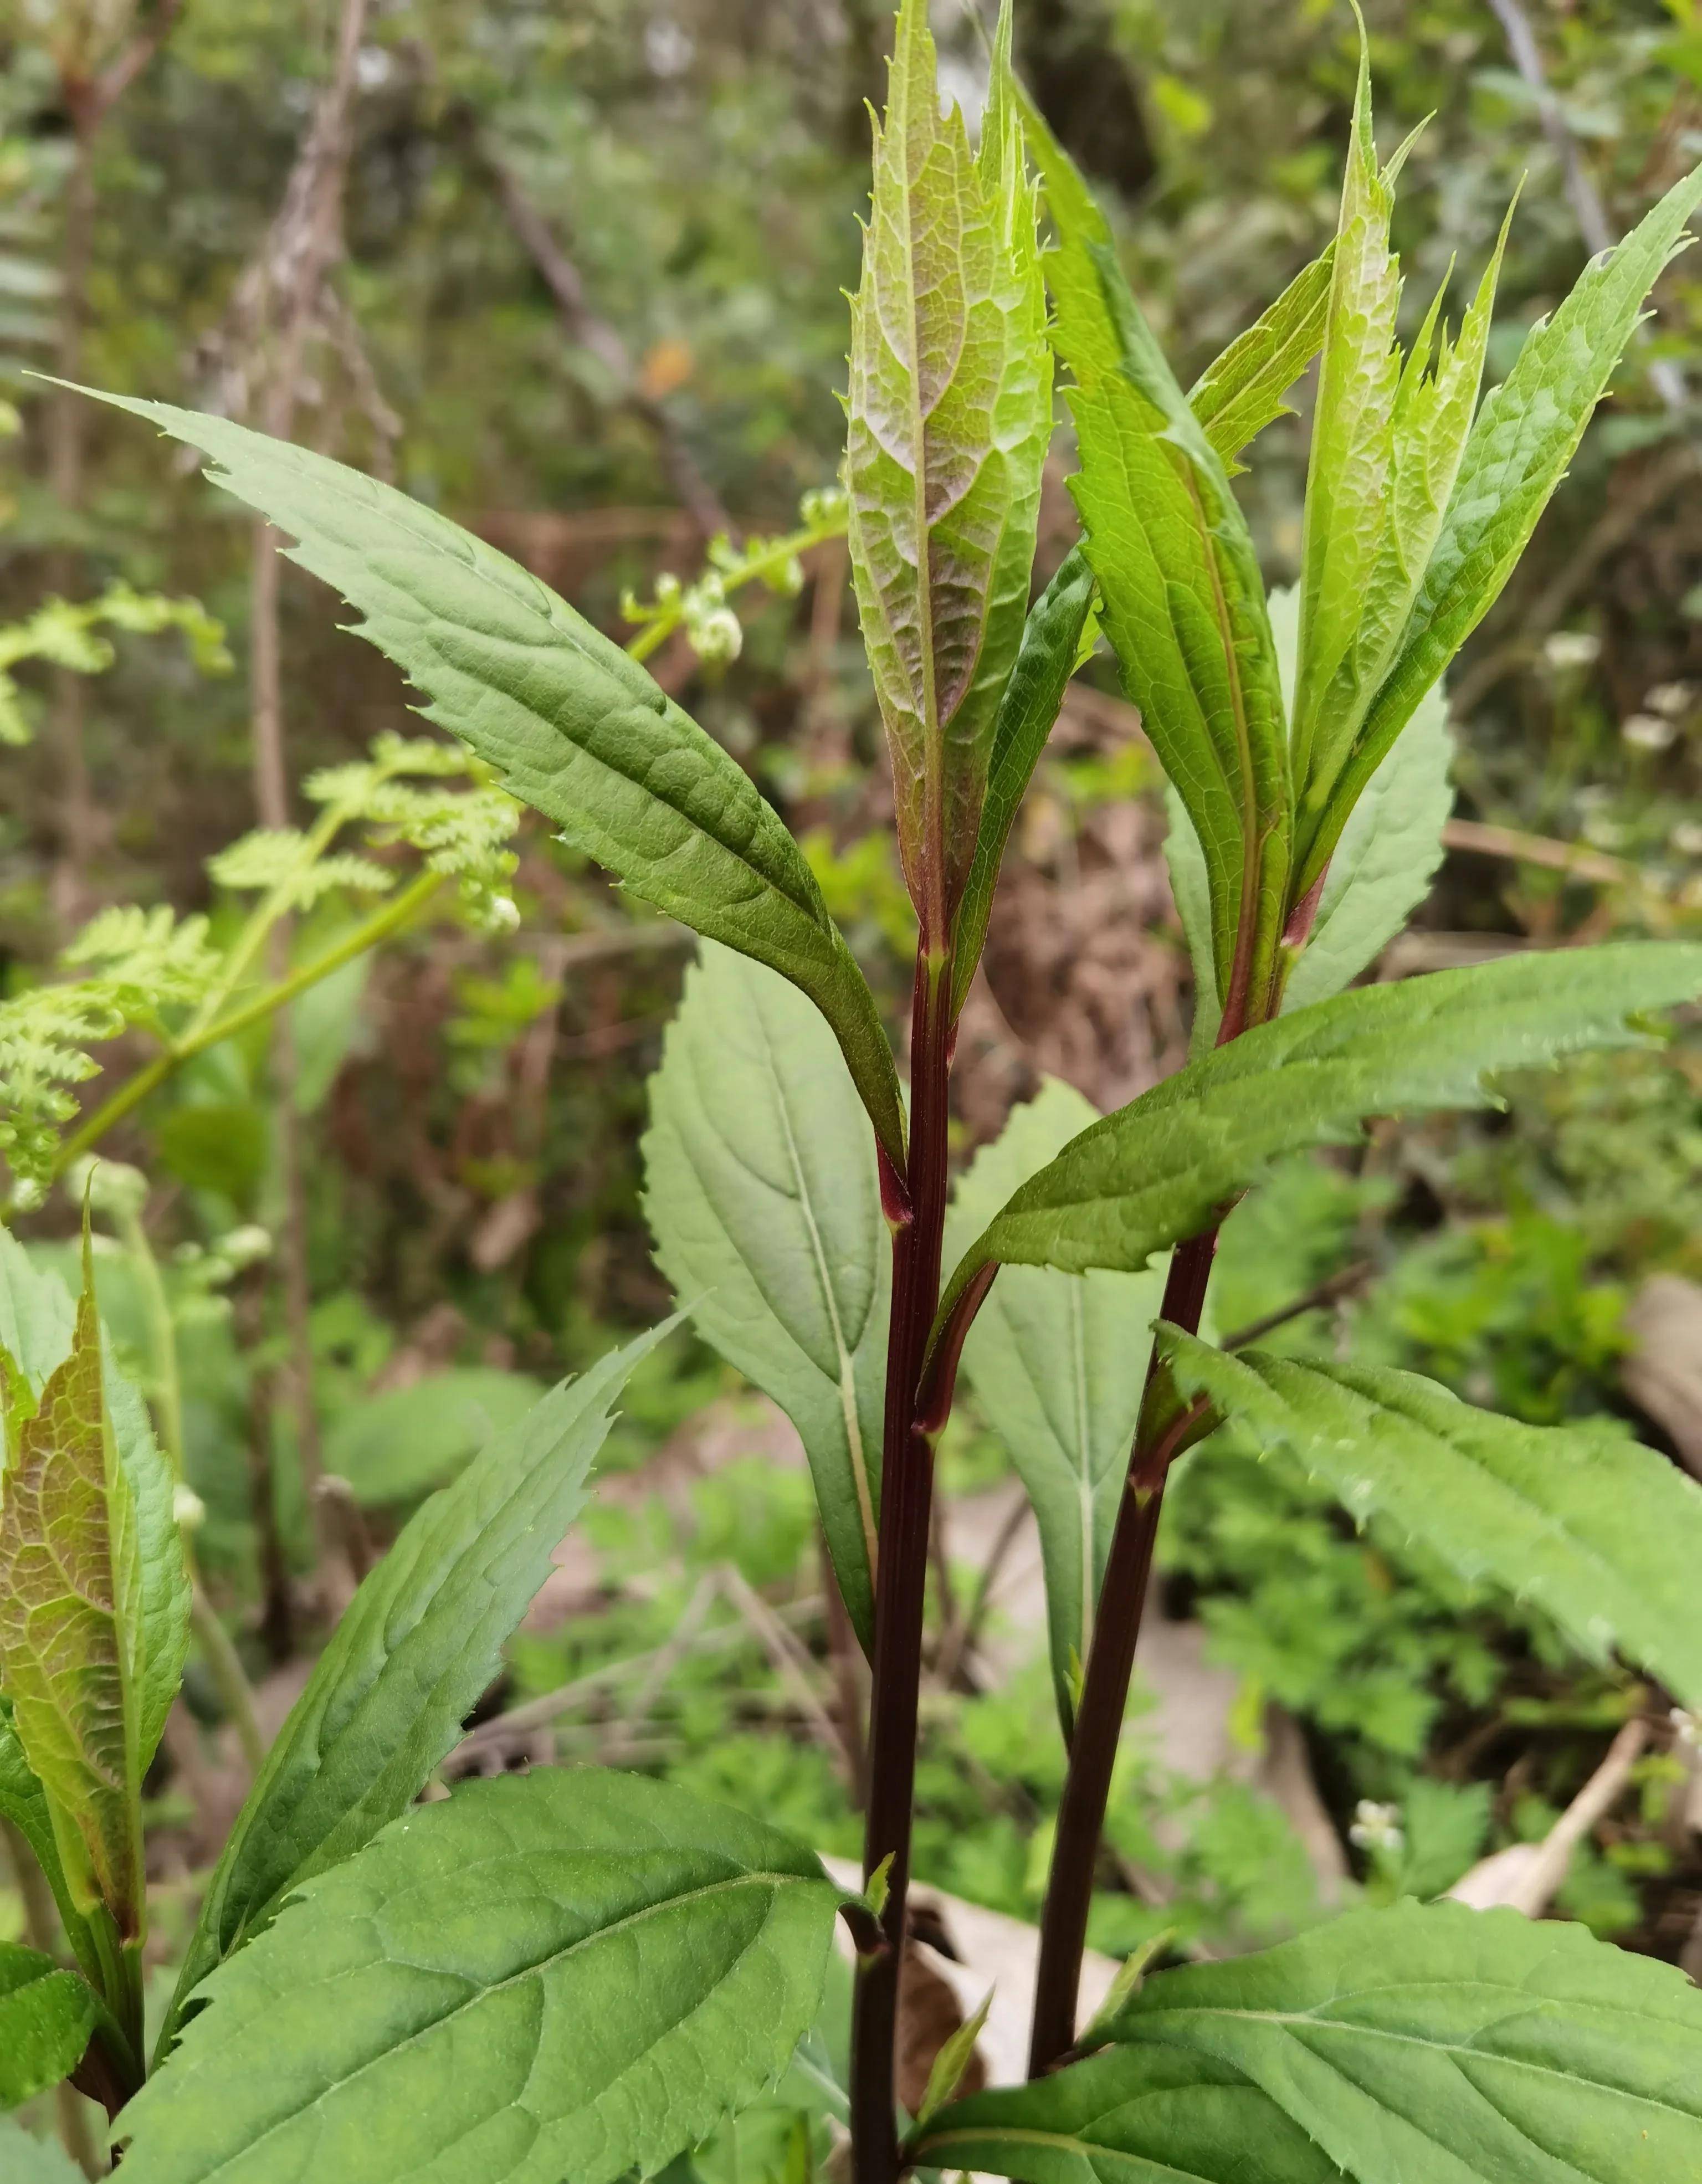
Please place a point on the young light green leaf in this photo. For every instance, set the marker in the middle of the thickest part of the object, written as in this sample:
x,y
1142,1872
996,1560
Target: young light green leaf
x,y
572,725
1057,1370
23,1802
70,1625
763,1197
45,2018
37,1319
1133,2114
1602,1532
418,1644
1236,397
951,2061
1517,453
1158,1169
1184,603
26,2160
1049,655
1382,869
1434,2042
950,412
550,1979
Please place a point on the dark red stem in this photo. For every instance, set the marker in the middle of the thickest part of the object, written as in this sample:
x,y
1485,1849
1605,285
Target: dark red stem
x,y
906,1492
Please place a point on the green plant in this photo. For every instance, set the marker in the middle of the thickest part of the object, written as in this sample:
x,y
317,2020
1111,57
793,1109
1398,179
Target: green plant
x,y
575,1975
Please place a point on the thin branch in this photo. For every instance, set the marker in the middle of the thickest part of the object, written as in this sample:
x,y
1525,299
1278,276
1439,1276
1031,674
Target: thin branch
x,y
1330,1290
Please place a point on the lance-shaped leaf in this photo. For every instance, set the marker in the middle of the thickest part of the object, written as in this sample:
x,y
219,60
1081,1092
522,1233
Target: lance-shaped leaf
x,y
1236,397
70,1624
950,411
1436,2043
1517,453
45,2018
1162,1168
1381,871
1057,1367
569,722
551,1979
1143,2114
37,1316
1184,603
23,1802
418,1644
1602,1532
764,1200
1050,654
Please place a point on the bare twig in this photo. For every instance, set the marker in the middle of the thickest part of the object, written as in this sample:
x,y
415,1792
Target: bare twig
x,y
1330,1290
960,1642
792,1664
1526,1876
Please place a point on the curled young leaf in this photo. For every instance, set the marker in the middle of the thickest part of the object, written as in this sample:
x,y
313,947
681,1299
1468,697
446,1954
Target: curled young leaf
x,y
1184,602
1236,397
950,411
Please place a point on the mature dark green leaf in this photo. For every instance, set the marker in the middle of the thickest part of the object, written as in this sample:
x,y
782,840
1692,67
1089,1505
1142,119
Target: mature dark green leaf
x,y
23,1802
1603,1533
1238,396
45,2018
71,1633
550,1979
1050,652
419,1642
1437,2045
1184,600
26,2160
1058,1366
571,724
950,412
1517,453
1134,2116
763,1197
401,1443
1159,1169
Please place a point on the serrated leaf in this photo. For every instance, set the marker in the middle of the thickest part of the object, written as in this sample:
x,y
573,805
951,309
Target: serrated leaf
x,y
764,1201
1158,1169
569,722
403,1442
70,1628
26,2160
949,414
1437,2045
1138,2113
1184,603
1602,1532
1049,655
418,1644
1059,1371
45,2018
547,1980
1236,397
1517,453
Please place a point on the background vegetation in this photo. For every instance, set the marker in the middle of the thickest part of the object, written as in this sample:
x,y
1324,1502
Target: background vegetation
x,y
575,275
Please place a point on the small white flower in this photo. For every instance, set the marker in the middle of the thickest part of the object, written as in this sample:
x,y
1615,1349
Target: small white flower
x,y
1687,839
1670,698
187,1507
1572,649
1650,732
716,635
1377,1827
1686,1728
